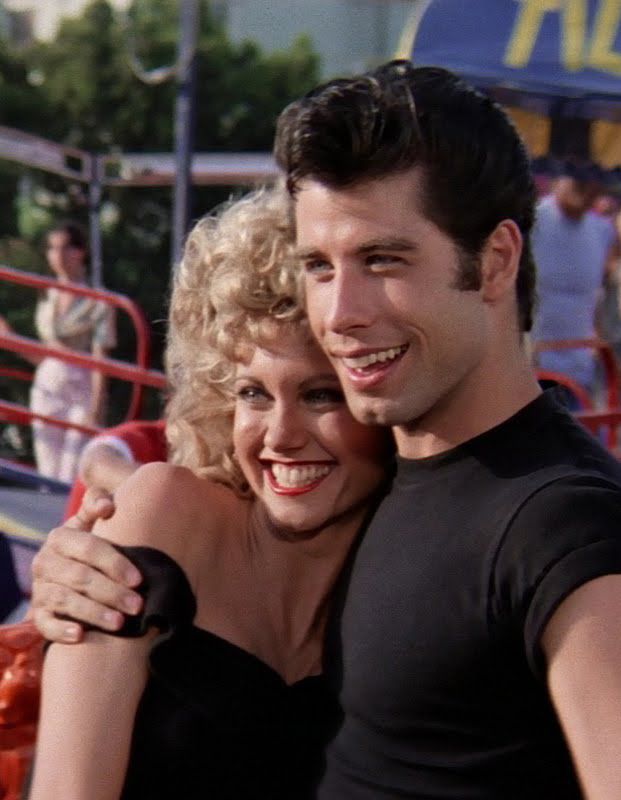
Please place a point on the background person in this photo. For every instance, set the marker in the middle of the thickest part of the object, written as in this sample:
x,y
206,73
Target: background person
x,y
240,547
575,250
59,389
608,316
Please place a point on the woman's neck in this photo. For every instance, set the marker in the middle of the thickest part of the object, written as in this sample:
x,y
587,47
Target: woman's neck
x,y
271,593
330,541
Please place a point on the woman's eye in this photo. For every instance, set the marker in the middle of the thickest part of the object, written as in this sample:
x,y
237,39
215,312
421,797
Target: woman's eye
x,y
316,266
250,393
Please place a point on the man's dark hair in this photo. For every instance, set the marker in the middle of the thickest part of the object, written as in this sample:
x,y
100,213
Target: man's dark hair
x,y
474,164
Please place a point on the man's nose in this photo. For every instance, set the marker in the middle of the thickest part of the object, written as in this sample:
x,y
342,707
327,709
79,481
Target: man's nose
x,y
344,304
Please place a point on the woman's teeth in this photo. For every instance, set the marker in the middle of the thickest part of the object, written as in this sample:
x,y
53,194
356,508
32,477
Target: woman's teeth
x,y
294,477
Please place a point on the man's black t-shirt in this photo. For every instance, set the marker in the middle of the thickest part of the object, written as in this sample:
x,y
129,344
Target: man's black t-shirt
x,y
436,649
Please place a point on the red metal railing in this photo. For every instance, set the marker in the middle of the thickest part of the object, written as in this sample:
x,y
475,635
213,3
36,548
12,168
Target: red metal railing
x,y
608,418
109,366
20,415
15,372
576,389
601,349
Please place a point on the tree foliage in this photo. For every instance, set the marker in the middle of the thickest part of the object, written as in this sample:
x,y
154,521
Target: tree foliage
x,y
80,90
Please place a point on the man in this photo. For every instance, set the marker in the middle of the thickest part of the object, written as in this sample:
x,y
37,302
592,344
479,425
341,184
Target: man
x,y
480,615
575,248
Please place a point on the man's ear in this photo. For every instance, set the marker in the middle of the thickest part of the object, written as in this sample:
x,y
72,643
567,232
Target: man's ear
x,y
500,261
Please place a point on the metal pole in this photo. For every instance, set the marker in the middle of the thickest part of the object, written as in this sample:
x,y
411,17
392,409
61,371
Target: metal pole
x,y
94,209
189,20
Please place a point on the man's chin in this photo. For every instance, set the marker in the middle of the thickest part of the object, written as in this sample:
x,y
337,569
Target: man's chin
x,y
370,412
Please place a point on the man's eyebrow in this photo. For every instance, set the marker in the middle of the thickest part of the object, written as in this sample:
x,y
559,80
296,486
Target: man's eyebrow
x,y
382,243
387,243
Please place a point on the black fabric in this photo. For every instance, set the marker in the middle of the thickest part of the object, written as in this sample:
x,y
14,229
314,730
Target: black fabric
x,y
168,598
215,721
10,593
464,563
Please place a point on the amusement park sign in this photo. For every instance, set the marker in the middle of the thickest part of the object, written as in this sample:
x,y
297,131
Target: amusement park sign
x,y
587,34
561,48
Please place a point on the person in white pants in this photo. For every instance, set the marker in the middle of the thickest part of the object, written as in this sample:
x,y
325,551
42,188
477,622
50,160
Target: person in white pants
x,y
59,389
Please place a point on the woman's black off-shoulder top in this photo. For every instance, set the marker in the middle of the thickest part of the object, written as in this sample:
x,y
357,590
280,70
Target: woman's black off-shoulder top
x,y
215,722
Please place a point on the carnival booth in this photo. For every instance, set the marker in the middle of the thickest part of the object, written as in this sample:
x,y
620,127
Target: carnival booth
x,y
554,64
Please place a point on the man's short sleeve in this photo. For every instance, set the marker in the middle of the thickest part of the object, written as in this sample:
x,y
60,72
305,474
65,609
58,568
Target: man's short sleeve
x,y
566,534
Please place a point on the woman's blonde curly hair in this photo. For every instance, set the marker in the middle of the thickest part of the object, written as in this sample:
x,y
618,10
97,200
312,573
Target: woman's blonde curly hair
x,y
236,278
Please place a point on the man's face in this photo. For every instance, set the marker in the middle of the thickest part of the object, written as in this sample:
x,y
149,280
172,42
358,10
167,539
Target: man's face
x,y
574,197
380,290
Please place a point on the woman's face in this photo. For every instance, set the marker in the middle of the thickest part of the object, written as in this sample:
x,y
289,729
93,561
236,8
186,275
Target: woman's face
x,y
65,259
304,455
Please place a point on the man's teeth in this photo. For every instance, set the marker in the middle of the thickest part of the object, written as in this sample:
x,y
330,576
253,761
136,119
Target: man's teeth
x,y
298,476
373,358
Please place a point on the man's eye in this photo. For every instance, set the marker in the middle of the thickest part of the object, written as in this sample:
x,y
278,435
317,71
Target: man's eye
x,y
324,396
383,260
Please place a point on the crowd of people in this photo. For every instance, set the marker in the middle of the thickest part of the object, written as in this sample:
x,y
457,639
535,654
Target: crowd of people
x,y
380,562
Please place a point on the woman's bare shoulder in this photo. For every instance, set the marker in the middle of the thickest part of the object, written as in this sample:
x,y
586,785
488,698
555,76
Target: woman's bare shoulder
x,y
167,507
175,489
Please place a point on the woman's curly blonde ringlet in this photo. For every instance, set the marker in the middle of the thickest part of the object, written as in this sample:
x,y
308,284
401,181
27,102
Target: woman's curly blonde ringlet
x,y
236,280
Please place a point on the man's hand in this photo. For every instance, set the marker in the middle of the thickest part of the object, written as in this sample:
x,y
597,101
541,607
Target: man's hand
x,y
80,576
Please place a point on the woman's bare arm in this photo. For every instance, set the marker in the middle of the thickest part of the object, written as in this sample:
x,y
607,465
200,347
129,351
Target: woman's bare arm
x,y
89,698
91,691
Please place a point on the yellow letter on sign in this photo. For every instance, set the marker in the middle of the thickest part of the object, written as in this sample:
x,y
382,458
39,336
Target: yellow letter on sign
x,y
601,55
528,24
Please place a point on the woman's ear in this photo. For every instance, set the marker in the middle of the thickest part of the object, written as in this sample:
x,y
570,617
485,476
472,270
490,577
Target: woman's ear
x,y
500,261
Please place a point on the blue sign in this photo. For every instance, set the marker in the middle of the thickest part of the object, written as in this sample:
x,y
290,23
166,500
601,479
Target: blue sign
x,y
550,48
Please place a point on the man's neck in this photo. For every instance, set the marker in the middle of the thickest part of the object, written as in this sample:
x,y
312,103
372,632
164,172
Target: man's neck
x,y
470,410
570,213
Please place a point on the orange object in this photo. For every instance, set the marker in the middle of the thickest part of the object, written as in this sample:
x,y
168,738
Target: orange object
x,y
21,661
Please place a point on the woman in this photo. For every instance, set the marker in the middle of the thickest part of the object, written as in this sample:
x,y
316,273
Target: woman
x,y
59,389
241,544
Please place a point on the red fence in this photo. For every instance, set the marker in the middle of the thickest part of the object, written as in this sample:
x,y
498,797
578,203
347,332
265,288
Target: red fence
x,y
608,418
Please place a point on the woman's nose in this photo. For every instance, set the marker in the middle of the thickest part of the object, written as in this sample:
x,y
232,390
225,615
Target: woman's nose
x,y
285,429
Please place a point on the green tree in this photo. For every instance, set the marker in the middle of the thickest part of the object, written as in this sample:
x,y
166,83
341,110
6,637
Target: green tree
x,y
20,100
85,94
